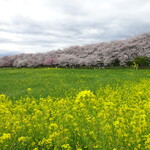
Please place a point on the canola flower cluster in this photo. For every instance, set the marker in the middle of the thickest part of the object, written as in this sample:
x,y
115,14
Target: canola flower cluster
x,y
112,119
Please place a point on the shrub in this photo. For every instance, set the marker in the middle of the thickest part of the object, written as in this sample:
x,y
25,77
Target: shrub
x,y
116,62
142,60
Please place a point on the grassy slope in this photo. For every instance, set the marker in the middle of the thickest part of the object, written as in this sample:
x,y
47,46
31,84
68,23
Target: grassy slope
x,y
112,119
62,82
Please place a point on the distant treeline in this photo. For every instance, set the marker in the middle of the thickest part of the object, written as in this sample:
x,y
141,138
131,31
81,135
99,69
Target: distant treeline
x,y
115,53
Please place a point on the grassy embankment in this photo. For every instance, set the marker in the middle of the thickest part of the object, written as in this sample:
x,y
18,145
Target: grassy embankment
x,y
78,109
61,82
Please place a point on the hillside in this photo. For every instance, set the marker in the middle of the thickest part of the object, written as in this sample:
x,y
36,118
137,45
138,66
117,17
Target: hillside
x,y
98,54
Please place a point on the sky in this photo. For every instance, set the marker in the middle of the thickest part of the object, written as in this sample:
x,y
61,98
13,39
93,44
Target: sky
x,y
33,26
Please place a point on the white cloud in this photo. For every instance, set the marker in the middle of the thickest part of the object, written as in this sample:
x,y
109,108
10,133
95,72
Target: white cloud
x,y
43,25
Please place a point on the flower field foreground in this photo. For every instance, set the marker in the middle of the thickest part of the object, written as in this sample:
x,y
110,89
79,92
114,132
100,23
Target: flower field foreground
x,y
112,119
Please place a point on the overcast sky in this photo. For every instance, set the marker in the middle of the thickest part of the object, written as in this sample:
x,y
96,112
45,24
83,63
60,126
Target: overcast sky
x,y
29,26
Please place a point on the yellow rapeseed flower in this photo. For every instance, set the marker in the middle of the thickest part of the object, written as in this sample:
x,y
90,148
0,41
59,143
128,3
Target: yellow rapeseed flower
x,y
4,137
22,139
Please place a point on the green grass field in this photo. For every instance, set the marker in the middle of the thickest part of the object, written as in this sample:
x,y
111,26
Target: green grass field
x,y
74,109
61,82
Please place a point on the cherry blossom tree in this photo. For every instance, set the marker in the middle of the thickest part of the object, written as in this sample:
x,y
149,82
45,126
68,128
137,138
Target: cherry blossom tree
x,y
91,55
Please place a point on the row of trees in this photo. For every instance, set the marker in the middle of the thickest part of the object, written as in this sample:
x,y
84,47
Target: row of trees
x,y
122,52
